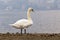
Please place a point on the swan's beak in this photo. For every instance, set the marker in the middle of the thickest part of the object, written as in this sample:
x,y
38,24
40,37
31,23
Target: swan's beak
x,y
32,10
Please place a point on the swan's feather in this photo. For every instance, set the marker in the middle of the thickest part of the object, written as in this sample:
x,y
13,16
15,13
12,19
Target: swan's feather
x,y
23,23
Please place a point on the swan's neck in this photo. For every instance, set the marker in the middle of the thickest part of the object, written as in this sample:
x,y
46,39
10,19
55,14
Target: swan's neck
x,y
28,15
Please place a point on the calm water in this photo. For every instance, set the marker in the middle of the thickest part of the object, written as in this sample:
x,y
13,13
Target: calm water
x,y
44,21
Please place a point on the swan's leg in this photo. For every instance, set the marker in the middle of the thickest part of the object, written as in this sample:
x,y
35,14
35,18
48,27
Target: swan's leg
x,y
24,31
21,30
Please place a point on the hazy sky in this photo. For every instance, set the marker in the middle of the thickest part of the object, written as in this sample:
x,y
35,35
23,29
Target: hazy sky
x,y
24,4
46,17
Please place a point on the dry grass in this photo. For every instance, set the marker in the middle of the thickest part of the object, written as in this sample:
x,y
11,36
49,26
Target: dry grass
x,y
18,36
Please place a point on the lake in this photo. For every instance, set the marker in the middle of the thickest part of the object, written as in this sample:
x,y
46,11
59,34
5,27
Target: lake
x,y
44,21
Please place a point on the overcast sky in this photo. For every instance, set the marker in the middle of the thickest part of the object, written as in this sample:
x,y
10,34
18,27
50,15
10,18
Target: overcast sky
x,y
46,17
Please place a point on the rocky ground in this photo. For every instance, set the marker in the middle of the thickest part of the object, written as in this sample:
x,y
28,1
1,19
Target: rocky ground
x,y
18,36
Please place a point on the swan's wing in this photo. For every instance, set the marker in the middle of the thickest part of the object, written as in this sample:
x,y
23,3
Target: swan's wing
x,y
22,22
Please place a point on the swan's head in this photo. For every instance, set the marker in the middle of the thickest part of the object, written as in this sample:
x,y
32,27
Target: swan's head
x,y
30,10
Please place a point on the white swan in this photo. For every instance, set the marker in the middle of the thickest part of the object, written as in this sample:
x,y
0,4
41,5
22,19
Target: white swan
x,y
24,23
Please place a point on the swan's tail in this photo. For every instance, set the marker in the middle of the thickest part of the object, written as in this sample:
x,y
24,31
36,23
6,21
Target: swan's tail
x,y
11,24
